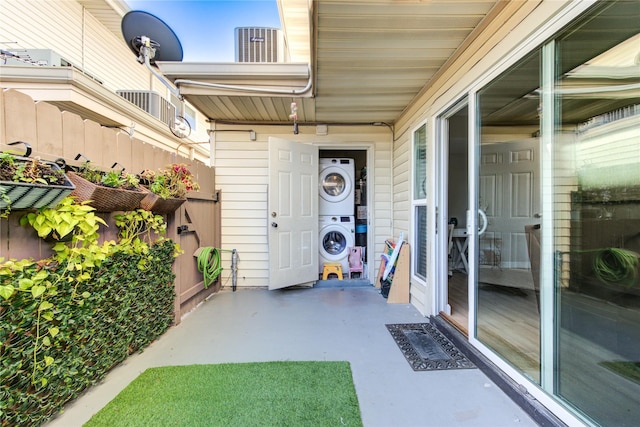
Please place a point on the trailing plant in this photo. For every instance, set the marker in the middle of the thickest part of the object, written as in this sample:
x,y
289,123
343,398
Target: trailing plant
x,y
68,218
137,229
139,226
66,320
77,258
173,181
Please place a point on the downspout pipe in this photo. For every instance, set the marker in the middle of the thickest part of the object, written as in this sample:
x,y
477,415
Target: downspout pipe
x,y
212,144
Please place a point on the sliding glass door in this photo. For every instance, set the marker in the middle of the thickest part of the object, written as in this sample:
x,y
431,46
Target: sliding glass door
x,y
596,213
556,262
508,188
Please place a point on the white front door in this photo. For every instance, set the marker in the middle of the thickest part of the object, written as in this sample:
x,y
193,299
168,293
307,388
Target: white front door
x,y
293,213
509,195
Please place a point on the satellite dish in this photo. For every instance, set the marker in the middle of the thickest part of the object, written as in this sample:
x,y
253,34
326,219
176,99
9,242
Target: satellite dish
x,y
152,40
139,26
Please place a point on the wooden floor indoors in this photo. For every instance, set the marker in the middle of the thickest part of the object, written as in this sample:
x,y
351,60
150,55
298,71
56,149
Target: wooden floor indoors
x,y
508,321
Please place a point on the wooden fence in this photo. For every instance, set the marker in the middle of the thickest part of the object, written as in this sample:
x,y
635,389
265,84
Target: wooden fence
x,y
53,134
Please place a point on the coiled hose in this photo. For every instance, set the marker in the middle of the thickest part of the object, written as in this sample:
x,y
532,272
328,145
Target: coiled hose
x,y
616,266
210,265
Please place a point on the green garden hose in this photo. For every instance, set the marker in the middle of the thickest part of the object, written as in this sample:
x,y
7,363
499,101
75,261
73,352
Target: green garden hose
x,y
616,266
210,265
612,266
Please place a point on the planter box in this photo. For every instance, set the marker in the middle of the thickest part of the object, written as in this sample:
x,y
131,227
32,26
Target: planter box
x,y
156,204
105,199
34,196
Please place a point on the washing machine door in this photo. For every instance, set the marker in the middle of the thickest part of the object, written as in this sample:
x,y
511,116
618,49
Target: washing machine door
x,y
335,184
335,241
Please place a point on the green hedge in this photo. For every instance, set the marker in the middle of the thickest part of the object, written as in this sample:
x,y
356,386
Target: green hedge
x,y
124,311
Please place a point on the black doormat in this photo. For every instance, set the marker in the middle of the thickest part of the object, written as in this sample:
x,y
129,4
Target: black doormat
x,y
426,349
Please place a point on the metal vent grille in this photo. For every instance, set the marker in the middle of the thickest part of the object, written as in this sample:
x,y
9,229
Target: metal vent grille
x,y
258,45
152,103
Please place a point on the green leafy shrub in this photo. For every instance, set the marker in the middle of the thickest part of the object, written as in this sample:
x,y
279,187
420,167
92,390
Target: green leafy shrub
x,y
67,320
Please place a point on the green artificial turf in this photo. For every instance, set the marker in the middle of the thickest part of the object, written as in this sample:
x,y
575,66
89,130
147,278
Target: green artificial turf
x,y
242,394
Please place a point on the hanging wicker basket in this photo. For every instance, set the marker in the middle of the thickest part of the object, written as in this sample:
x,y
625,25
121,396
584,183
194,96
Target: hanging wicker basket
x,y
105,199
156,204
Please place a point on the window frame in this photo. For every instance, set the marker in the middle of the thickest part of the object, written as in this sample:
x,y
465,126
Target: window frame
x,y
418,201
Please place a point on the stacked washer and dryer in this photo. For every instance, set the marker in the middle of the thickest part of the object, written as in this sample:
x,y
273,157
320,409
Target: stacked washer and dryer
x,y
336,211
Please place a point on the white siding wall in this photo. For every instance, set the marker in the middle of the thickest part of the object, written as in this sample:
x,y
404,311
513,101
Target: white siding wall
x,y
43,25
402,176
69,29
242,168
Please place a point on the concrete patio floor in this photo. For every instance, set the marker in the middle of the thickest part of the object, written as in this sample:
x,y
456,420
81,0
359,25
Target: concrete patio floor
x,y
318,324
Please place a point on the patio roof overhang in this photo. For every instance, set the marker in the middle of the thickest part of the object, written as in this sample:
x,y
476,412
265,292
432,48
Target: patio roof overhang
x,y
255,92
368,61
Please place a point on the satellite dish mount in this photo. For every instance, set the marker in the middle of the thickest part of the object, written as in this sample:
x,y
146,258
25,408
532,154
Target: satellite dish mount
x,y
146,48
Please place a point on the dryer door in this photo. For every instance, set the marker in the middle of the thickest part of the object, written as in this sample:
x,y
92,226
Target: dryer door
x,y
335,185
335,241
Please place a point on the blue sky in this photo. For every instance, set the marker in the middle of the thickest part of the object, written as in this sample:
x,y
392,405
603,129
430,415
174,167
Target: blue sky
x,y
206,27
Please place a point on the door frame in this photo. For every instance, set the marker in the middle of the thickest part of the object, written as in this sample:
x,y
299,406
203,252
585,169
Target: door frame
x,y
369,148
440,212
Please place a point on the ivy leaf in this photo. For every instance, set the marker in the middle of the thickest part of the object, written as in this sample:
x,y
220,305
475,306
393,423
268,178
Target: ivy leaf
x,y
54,331
40,276
48,360
48,315
38,290
44,305
64,229
44,231
25,283
46,341
6,291
85,208
43,382
86,294
26,218
59,246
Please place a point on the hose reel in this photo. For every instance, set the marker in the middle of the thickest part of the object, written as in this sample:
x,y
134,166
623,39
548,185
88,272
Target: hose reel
x,y
209,261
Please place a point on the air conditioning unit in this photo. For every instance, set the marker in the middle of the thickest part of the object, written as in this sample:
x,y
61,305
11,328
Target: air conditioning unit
x,y
37,57
152,103
255,44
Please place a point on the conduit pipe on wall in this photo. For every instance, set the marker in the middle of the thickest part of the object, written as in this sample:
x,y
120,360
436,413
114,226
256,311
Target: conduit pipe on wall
x,y
246,88
212,145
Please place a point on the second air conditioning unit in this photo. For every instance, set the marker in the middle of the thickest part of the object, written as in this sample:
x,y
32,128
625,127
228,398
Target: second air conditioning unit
x,y
152,103
256,44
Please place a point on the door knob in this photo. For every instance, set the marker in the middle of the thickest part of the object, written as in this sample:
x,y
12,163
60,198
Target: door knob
x,y
274,225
